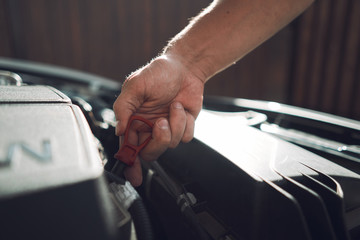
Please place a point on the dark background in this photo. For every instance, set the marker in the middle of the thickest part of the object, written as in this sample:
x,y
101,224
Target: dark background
x,y
314,62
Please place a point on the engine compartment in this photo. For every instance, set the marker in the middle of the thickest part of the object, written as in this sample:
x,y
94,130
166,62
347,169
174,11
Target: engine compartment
x,y
255,169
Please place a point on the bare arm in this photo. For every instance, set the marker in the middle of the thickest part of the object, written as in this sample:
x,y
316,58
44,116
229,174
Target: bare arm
x,y
229,29
169,90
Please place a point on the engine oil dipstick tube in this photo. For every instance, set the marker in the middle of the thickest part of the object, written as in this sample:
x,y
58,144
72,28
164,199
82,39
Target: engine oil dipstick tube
x,y
128,151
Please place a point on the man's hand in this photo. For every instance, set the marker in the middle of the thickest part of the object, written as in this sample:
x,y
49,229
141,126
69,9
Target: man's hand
x,y
166,93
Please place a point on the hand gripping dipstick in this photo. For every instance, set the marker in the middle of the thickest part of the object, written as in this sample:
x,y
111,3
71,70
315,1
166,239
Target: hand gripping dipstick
x,y
128,152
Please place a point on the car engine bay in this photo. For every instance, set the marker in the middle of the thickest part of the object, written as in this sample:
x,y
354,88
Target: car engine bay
x,y
254,170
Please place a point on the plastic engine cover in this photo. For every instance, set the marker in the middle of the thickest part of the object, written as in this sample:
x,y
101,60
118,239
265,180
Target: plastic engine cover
x,y
51,184
251,185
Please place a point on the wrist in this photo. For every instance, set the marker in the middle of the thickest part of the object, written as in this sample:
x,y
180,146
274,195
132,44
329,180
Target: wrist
x,y
193,61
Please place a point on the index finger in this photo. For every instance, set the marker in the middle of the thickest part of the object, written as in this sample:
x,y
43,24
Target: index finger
x,y
124,106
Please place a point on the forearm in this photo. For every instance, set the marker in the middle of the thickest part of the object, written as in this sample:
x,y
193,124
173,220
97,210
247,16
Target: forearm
x,y
228,29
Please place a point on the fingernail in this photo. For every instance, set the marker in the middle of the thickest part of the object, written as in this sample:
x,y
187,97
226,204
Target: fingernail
x,y
177,105
163,124
117,128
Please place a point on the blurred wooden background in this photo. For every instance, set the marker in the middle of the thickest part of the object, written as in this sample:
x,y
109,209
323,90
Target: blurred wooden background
x,y
314,62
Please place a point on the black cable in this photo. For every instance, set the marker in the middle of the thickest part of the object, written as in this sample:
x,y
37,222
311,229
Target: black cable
x,y
129,198
182,201
141,220
193,221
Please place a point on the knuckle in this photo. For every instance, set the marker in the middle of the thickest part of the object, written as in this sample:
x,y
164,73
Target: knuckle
x,y
174,144
187,139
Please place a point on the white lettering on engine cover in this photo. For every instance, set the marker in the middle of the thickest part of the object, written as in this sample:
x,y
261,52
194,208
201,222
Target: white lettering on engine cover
x,y
44,156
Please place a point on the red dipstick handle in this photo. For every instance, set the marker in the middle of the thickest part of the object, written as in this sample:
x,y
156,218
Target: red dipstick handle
x,y
128,152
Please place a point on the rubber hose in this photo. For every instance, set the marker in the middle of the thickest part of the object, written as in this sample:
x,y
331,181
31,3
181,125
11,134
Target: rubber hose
x,y
141,220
